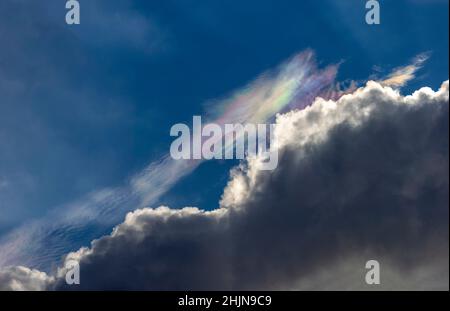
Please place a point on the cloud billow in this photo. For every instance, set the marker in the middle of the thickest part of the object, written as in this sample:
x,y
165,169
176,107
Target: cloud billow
x,y
364,177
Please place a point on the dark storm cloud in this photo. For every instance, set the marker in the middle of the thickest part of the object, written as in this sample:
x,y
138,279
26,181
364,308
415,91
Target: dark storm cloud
x,y
369,181
362,178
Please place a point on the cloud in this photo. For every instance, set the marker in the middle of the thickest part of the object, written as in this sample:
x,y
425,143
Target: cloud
x,y
21,278
364,177
402,75
39,243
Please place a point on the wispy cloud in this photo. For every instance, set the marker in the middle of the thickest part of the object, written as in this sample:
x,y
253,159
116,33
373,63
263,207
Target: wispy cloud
x,y
400,76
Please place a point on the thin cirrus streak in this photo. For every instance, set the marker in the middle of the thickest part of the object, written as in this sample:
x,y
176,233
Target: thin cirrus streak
x,y
293,85
42,242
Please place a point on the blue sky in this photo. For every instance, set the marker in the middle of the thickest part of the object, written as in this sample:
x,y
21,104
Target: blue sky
x,y
86,107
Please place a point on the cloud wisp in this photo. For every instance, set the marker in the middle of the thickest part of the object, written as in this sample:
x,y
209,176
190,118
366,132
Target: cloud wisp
x,y
402,75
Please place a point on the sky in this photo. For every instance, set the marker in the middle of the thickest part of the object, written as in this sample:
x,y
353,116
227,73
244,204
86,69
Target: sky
x,y
86,110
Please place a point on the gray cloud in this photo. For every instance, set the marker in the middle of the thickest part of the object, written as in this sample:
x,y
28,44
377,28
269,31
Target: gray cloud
x,y
365,177
21,278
